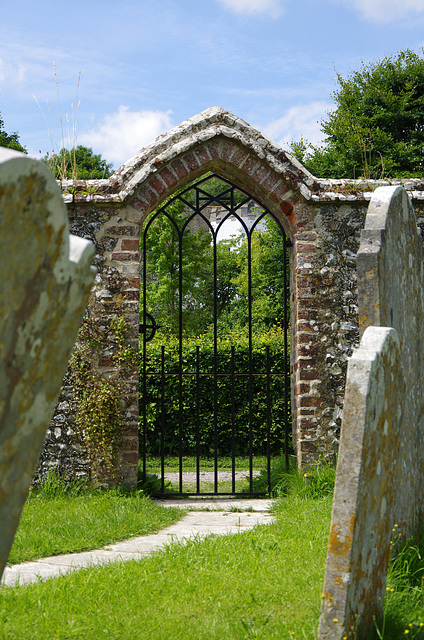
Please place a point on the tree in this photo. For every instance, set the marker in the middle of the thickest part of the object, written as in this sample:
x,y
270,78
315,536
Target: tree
x,y
268,255
163,270
205,294
377,127
10,140
79,163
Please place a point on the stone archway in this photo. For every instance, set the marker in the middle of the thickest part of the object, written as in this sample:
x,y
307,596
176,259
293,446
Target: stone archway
x,y
217,141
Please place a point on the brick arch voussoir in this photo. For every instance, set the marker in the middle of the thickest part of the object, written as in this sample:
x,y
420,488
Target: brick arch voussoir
x,y
228,159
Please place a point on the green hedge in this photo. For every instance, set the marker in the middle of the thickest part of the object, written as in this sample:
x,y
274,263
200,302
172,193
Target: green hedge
x,y
198,394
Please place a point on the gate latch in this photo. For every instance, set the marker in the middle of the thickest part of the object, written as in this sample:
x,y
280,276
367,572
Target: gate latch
x,y
151,325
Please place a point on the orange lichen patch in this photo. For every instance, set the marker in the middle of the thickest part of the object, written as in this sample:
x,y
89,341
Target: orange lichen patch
x,y
327,596
340,546
364,321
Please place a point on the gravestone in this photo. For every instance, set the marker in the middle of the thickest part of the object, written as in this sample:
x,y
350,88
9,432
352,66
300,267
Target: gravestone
x,y
379,482
45,282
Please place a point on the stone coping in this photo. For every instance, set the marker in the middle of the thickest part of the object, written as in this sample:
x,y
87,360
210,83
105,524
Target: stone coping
x,y
219,123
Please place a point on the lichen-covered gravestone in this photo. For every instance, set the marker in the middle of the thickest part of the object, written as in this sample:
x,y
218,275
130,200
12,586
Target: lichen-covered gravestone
x,y
45,282
380,471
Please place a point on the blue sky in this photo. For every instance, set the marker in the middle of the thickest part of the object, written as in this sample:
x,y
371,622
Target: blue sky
x,y
147,65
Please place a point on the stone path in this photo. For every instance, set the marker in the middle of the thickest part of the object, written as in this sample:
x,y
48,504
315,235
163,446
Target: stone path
x,y
206,517
208,476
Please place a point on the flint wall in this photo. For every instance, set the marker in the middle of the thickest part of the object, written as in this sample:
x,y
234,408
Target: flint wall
x,y
322,218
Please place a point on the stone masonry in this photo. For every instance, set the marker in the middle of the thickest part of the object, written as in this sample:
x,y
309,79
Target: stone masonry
x,y
322,218
380,471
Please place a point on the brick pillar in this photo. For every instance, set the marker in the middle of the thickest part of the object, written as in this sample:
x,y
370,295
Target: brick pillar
x,y
116,293
306,398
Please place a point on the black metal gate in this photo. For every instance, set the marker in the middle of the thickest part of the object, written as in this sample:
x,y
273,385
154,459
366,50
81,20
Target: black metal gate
x,y
214,383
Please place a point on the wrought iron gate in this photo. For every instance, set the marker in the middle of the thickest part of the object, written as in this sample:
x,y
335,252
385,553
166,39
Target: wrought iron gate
x,y
212,397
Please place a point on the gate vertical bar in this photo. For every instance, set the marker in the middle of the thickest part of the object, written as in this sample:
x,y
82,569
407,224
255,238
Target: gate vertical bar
x,y
249,285
180,347
197,419
268,418
163,419
215,366
233,423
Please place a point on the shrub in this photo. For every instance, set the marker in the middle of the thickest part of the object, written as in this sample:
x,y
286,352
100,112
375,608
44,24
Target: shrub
x,y
161,386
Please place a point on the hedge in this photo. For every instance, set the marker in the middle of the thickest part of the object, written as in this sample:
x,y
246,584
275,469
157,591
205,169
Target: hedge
x,y
162,387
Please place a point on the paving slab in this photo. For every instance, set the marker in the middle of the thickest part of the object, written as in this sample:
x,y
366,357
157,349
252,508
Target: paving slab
x,y
195,524
227,503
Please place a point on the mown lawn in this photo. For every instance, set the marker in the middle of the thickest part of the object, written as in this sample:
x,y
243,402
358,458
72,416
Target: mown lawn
x,y
265,583
70,522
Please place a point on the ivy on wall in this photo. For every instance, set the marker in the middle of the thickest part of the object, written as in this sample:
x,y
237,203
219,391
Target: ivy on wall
x,y
99,414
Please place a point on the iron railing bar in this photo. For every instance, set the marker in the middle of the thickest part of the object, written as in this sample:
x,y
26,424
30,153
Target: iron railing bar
x,y
187,203
233,423
197,200
163,416
180,351
254,494
232,212
215,368
268,420
222,198
222,202
197,421
197,187
202,199
226,373
250,366
192,217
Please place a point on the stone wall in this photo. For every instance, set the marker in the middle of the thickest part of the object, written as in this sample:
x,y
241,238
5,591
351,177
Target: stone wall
x,y
380,471
115,292
322,218
63,452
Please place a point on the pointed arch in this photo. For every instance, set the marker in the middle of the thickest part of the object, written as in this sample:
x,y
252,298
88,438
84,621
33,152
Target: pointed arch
x,y
219,142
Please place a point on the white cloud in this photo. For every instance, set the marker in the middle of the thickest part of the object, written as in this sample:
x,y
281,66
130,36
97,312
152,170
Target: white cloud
x,y
301,121
121,135
386,10
273,8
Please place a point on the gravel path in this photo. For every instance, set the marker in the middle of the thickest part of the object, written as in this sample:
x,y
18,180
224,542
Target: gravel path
x,y
208,476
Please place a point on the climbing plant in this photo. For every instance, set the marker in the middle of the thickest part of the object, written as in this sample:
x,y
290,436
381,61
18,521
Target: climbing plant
x,y
99,414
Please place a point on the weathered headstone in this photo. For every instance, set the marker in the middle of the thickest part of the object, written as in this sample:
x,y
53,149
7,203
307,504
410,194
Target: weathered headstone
x,y
364,498
45,281
379,479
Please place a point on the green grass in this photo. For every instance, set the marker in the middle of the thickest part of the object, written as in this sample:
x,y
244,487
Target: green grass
x,y
153,463
171,463
58,520
224,487
404,602
319,478
265,583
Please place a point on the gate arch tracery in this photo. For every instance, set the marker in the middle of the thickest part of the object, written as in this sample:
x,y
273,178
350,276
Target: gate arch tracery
x,y
209,385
